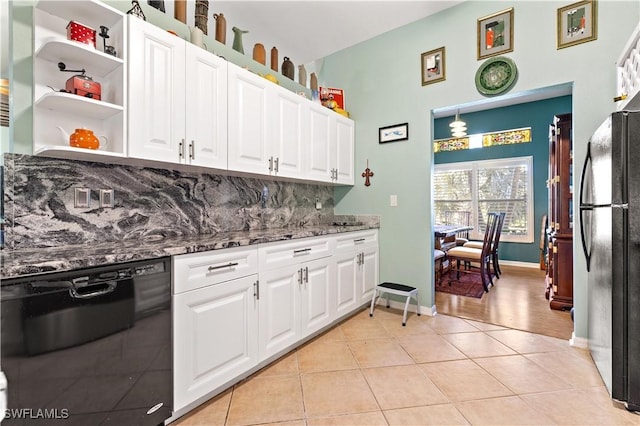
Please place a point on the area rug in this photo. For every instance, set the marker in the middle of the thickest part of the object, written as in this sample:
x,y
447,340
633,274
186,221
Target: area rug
x,y
468,285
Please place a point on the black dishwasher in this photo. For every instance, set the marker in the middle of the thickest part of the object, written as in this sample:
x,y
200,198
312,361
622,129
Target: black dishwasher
x,y
88,347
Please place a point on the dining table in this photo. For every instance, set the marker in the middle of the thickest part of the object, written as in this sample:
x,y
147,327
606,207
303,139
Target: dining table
x,y
442,232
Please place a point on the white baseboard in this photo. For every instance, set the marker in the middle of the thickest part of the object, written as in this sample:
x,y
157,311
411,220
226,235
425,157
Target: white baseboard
x,y
578,342
520,264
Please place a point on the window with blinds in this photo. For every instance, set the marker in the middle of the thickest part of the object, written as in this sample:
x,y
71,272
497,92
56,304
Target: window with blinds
x,y
500,185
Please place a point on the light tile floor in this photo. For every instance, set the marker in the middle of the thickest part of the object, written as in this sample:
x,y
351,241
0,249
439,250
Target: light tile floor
x,y
435,371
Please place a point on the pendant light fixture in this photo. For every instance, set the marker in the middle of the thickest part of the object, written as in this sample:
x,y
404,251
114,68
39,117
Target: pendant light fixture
x,y
458,127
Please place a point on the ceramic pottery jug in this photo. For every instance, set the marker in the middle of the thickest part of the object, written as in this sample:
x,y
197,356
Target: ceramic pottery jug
x,y
221,27
259,54
302,75
274,58
314,82
237,39
288,70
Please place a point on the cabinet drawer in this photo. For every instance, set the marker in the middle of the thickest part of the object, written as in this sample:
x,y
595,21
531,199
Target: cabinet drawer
x,y
350,240
276,255
196,270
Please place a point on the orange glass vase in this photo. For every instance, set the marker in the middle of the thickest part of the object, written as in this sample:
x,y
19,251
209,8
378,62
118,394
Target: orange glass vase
x,y
84,138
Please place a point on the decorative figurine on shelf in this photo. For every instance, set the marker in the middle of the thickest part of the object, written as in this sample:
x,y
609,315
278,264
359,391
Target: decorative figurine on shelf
x,y
237,39
136,10
221,27
201,15
104,33
158,4
367,174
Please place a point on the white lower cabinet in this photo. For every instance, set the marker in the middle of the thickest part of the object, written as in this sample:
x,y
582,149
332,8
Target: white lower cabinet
x,y
236,308
215,337
295,301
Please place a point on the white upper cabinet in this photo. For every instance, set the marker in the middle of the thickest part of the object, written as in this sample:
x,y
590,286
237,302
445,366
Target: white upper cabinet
x,y
267,126
206,108
178,99
53,108
157,95
330,153
249,141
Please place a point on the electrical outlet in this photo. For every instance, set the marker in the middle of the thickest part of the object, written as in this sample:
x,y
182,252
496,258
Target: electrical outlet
x,y
393,201
82,197
107,198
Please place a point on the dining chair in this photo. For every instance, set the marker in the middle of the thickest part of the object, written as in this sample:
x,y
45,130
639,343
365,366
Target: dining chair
x,y
464,259
494,245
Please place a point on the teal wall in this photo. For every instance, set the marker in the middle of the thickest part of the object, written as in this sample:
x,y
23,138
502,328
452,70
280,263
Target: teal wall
x,y
382,82
537,115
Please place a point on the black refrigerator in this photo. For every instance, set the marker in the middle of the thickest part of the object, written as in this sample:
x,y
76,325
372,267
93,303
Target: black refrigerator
x,y
610,234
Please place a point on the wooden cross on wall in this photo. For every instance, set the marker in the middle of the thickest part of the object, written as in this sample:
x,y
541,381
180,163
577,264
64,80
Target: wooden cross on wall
x,y
367,174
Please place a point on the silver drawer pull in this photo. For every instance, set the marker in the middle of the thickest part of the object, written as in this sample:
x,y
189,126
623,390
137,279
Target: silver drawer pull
x,y
228,265
301,251
359,240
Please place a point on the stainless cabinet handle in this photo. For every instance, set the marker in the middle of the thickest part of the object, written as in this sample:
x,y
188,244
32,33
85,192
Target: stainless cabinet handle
x,y
300,276
228,265
256,289
301,251
181,149
358,240
306,274
277,164
192,151
271,163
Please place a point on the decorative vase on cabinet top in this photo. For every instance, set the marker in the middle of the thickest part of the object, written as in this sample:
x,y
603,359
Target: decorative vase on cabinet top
x,y
288,69
237,39
259,54
274,58
302,75
221,27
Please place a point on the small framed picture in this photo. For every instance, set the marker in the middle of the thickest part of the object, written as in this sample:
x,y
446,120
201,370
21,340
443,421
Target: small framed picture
x,y
577,23
495,34
433,66
397,132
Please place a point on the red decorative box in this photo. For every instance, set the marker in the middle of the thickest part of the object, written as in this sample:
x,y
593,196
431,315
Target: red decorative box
x,y
78,32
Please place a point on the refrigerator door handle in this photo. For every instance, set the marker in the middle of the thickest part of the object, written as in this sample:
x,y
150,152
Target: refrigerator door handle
x,y
587,161
587,253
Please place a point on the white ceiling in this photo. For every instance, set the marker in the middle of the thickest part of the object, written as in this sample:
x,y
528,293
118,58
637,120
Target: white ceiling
x,y
307,30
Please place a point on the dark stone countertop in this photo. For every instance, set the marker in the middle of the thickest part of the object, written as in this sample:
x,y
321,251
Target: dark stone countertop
x,y
20,263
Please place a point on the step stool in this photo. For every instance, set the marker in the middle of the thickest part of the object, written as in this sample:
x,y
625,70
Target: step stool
x,y
400,290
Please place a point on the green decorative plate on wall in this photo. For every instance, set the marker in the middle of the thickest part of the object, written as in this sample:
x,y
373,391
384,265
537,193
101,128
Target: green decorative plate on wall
x,y
496,75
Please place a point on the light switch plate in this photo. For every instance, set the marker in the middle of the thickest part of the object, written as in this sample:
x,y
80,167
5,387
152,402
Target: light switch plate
x,y
393,201
82,197
107,198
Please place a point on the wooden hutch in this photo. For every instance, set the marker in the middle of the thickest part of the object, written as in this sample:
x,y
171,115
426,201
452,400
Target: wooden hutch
x,y
559,279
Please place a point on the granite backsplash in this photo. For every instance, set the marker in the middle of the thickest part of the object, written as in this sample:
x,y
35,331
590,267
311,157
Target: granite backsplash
x,y
39,206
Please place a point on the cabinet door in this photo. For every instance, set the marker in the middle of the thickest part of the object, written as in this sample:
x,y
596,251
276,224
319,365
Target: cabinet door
x,y
156,68
215,337
317,306
318,164
249,141
289,119
344,149
347,295
368,272
279,309
206,108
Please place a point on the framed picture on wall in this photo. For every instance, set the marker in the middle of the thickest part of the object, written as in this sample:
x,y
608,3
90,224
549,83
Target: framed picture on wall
x,y
433,66
577,23
495,34
397,132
